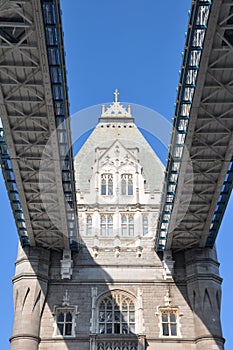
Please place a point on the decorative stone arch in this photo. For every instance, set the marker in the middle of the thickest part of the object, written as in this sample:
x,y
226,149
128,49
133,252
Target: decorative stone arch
x,y
118,296
116,313
117,320
115,290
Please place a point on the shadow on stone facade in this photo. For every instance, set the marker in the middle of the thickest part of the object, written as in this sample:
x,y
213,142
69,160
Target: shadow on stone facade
x,y
54,313
41,295
196,275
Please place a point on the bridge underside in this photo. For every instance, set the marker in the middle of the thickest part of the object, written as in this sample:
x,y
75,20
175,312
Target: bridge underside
x,y
36,154
199,171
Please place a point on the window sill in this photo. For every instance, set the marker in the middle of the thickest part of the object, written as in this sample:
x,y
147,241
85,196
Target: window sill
x,y
58,336
170,337
117,336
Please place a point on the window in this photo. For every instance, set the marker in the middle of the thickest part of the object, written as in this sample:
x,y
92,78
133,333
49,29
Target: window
x,y
116,314
106,184
88,225
127,184
127,225
106,225
65,318
144,224
169,322
65,321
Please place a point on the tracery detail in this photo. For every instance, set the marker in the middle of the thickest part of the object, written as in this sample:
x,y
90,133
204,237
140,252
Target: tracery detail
x,y
106,225
106,185
116,314
127,184
127,225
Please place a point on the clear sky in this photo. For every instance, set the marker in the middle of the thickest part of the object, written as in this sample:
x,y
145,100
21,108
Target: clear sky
x,y
135,46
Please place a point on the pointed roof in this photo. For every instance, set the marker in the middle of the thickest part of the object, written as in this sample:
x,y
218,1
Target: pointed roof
x,y
116,112
108,133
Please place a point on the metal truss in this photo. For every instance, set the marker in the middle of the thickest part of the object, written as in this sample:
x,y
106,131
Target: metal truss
x,y
199,171
35,141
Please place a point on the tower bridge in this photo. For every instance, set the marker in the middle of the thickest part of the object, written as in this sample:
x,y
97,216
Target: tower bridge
x,y
39,172
34,102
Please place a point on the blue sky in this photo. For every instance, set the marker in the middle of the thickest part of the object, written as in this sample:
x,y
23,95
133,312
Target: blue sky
x,y
135,46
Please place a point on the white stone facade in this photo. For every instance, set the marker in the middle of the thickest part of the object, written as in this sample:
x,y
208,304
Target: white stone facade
x,y
119,180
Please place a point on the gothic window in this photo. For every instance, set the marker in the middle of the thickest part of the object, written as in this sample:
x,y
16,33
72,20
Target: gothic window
x,y
65,322
168,322
106,184
116,314
127,184
106,225
145,224
127,225
88,225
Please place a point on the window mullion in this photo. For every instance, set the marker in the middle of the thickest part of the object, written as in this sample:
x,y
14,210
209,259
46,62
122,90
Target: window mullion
x,y
169,322
120,316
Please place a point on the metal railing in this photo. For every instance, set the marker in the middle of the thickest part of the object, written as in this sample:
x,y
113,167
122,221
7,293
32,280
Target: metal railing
x,y
56,62
12,190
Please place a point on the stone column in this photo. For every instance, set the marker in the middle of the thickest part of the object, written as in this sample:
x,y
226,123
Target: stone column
x,y
139,324
138,223
96,223
30,288
204,293
93,310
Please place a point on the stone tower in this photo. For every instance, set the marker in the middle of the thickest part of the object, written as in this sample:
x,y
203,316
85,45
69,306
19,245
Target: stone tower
x,y
116,293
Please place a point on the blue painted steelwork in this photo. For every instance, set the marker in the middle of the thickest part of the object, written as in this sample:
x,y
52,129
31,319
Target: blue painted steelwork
x,y
221,206
55,53
12,190
193,49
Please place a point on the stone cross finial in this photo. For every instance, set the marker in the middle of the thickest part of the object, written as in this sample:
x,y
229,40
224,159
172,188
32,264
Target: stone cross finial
x,y
116,94
66,299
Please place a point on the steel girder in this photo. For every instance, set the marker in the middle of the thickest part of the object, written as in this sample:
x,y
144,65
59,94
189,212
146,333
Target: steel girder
x,y
36,149
199,170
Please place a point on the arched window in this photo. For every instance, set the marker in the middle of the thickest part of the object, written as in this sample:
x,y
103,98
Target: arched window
x,y
127,184
127,225
116,314
88,225
106,225
106,185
